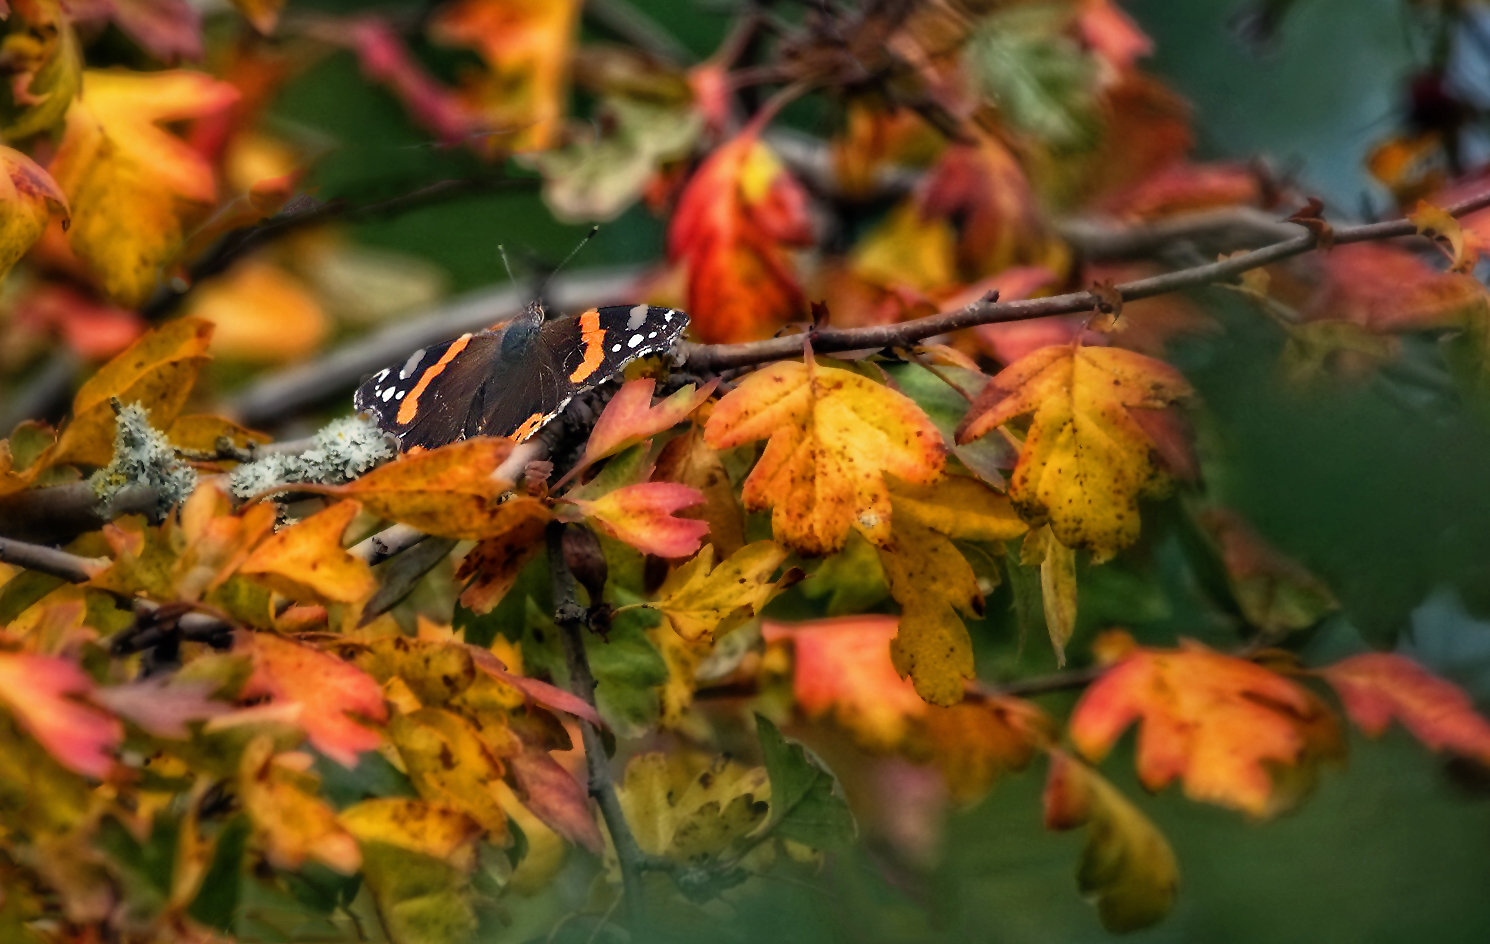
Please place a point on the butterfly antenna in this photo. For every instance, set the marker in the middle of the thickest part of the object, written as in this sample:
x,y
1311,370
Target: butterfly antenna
x,y
506,262
572,253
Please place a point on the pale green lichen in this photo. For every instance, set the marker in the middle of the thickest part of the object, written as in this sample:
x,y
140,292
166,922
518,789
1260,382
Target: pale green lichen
x,y
343,450
143,457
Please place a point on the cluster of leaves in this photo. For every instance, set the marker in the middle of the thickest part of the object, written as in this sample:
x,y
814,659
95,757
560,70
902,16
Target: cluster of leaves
x,y
234,716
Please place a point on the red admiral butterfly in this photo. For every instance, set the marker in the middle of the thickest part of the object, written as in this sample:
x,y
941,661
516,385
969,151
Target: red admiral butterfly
x,y
511,379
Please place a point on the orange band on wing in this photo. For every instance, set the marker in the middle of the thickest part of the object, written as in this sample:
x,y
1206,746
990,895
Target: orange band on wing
x,y
594,338
409,408
529,427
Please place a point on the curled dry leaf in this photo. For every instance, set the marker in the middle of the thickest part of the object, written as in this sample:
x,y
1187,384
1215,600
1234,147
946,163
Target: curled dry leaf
x,y
447,492
833,434
1127,864
642,515
1057,564
735,222
307,559
1377,687
157,372
1086,460
1463,244
135,189
1233,730
333,697
28,197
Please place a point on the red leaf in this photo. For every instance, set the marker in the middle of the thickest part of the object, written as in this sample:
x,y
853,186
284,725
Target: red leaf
x,y
1377,687
642,516
35,689
328,691
542,693
556,798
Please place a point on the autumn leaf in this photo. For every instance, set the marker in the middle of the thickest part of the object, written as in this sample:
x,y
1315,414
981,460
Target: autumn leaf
x,y
491,567
703,601
387,60
690,809
842,667
451,764
135,189
330,695
1127,865
200,432
29,196
1057,564
642,515
307,559
161,706
688,460
556,798
43,68
447,492
292,823
1382,287
1222,723
1463,245
972,743
833,434
526,45
1378,687
630,417
1086,459
263,14
932,581
536,690
262,314
156,372
39,691
417,859
1275,593
735,222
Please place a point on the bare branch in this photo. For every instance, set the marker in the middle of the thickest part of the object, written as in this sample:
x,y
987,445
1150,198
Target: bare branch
x,y
49,560
62,512
723,356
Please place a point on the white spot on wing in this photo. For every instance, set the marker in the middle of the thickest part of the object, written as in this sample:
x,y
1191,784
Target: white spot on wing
x,y
637,316
400,395
407,371
387,394
634,340
615,349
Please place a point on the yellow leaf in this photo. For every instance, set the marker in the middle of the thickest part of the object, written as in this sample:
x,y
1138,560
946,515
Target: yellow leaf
x,y
291,822
1057,585
960,507
932,582
689,808
135,189
452,765
157,372
1463,245
491,567
1087,459
28,196
448,492
43,65
833,436
703,601
307,559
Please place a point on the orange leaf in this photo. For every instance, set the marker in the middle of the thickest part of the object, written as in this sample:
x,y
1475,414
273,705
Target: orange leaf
x,y
1384,288
688,460
308,559
843,667
1378,686
556,798
833,434
329,693
492,566
292,823
36,689
448,492
28,196
135,189
733,225
1222,723
217,542
201,432
157,372
975,741
642,516
536,690
1086,459
630,417
526,45
262,313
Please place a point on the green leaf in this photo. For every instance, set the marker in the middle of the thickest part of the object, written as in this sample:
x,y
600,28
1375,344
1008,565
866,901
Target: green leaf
x,y
1040,78
988,457
628,670
216,904
373,776
806,805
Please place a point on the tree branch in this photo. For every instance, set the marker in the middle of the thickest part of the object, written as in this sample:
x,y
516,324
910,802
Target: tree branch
x,y
572,624
700,358
49,560
60,513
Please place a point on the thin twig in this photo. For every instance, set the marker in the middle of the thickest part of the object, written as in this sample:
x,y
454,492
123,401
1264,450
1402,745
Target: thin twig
x,y
639,29
49,560
724,356
571,620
